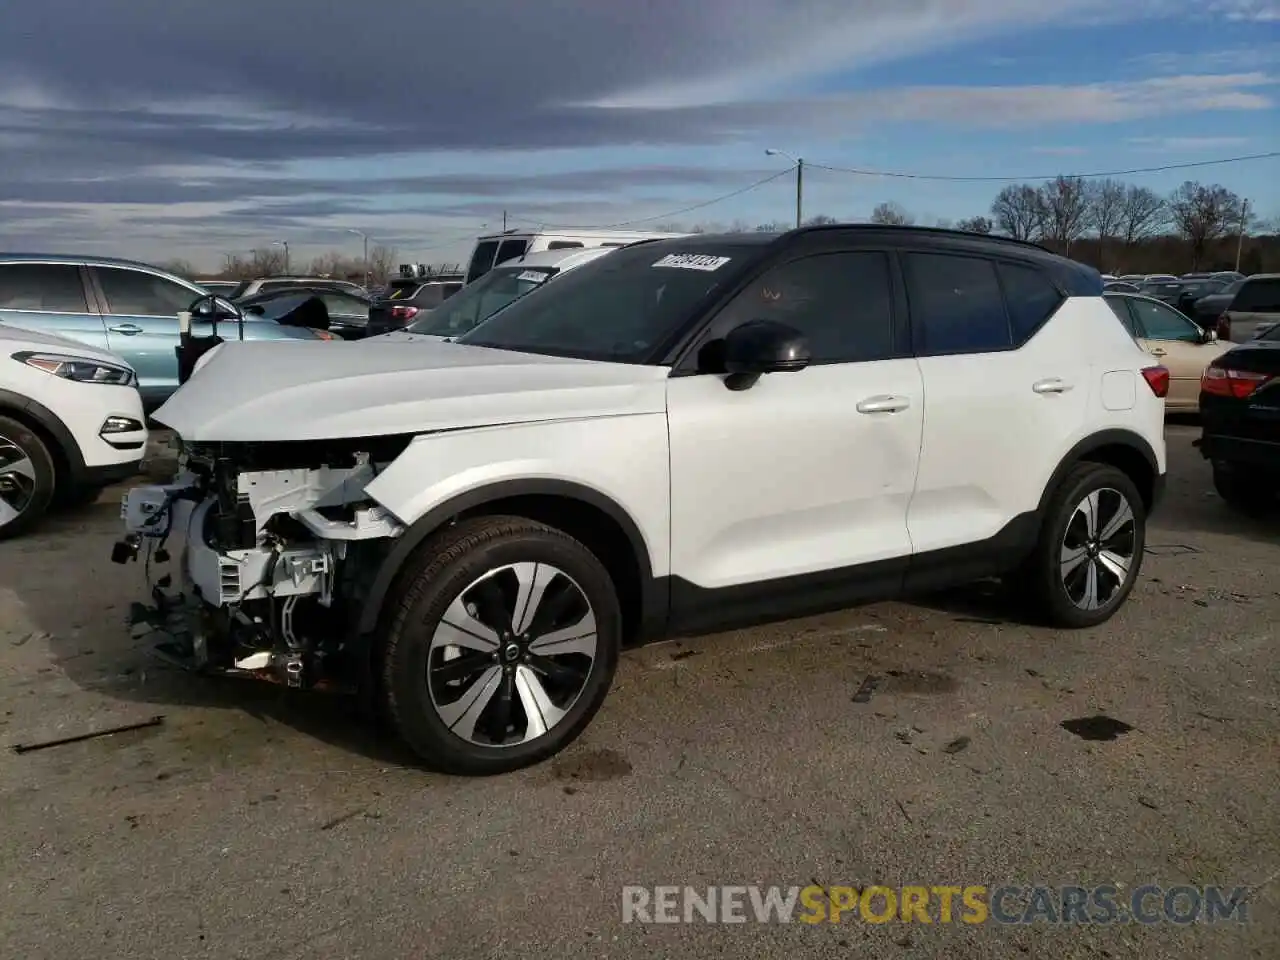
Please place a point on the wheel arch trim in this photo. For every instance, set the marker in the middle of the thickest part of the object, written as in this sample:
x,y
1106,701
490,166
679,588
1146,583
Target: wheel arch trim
x,y
1097,441
439,516
52,424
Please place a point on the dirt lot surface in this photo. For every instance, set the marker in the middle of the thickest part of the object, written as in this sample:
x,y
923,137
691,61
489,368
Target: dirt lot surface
x,y
254,824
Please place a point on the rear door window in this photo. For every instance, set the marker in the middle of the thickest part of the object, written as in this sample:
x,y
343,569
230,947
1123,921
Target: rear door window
x,y
1120,307
956,305
1158,322
482,259
135,293
46,287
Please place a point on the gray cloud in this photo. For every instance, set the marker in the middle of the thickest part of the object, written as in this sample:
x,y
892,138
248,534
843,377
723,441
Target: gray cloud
x,y
98,100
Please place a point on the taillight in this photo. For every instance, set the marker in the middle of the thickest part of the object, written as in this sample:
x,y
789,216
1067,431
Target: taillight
x,y
1223,327
1157,379
403,313
324,335
1221,382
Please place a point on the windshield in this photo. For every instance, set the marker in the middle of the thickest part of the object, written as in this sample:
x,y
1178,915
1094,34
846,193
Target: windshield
x,y
619,308
480,300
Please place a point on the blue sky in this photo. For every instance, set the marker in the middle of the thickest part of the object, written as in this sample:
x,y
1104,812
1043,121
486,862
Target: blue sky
x,y
590,114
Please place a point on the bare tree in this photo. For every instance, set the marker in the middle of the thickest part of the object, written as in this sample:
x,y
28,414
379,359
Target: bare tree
x,y
1018,210
383,262
891,214
1065,202
773,226
1202,214
1144,213
821,220
1105,215
179,267
975,225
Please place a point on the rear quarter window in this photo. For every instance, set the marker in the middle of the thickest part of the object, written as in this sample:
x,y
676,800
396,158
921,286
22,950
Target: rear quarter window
x,y
1030,298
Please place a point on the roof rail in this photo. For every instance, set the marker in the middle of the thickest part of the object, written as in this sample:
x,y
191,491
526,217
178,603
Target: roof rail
x,y
938,231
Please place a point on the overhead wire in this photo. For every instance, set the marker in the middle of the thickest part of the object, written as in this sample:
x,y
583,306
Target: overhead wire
x,y
868,172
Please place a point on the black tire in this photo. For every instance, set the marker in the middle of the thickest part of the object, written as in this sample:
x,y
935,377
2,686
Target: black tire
x,y
446,565
30,495
1244,492
1043,578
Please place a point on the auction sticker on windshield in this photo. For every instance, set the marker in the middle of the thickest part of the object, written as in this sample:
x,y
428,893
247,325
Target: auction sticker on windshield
x,y
692,261
532,276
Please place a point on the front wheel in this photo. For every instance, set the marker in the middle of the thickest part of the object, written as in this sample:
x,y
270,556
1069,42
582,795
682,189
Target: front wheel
x,y
26,478
1090,548
502,646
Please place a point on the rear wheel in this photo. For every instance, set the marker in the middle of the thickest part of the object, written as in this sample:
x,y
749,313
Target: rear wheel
x,y
1090,548
1243,491
502,647
26,478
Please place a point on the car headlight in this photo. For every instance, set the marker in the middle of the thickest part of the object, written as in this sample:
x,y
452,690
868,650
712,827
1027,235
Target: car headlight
x,y
80,369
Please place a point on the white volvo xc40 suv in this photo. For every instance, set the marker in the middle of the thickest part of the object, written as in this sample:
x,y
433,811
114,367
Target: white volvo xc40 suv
x,y
683,435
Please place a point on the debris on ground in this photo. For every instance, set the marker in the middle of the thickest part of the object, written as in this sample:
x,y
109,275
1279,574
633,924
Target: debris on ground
x,y
956,745
868,689
80,737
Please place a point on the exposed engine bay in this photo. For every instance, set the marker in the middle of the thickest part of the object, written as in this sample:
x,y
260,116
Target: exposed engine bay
x,y
275,546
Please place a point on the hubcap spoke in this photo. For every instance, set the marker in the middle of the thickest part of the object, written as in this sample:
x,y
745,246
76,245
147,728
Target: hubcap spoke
x,y
1090,599
1114,564
1121,519
579,638
458,628
1090,508
7,513
534,578
541,713
461,715
1072,557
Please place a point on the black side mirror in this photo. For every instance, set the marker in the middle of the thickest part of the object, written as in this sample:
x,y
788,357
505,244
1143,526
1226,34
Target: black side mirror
x,y
212,309
762,346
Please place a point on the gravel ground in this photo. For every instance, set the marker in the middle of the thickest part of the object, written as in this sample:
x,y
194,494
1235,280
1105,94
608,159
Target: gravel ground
x,y
255,824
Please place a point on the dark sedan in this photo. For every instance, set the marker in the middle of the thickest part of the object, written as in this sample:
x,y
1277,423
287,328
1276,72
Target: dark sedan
x,y
1240,419
348,312
1182,294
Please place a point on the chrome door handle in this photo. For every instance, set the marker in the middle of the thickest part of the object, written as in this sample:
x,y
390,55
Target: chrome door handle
x,y
1157,352
883,404
1052,385
128,329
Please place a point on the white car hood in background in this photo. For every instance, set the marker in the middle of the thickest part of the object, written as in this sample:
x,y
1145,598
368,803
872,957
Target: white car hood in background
x,y
23,339
301,390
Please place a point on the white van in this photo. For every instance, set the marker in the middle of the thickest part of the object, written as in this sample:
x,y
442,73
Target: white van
x,y
498,248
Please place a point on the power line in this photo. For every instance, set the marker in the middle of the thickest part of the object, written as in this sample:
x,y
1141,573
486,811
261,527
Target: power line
x,y
786,171
894,174
1083,176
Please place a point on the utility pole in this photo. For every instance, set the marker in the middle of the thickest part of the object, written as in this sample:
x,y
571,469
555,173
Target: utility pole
x,y
799,191
799,162
365,237
1244,222
504,221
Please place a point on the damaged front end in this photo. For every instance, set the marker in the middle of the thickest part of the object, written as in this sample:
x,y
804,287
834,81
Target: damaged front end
x,y
276,545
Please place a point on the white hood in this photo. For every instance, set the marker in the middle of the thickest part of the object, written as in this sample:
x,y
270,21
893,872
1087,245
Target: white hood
x,y
19,338
267,390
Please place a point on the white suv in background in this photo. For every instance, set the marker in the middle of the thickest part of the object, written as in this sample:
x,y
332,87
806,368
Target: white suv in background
x,y
684,435
71,422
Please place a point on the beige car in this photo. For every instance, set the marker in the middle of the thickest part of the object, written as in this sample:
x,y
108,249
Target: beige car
x,y
1179,344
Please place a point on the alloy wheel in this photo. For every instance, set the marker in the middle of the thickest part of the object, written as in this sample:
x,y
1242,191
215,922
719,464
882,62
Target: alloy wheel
x,y
17,481
1098,549
511,655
